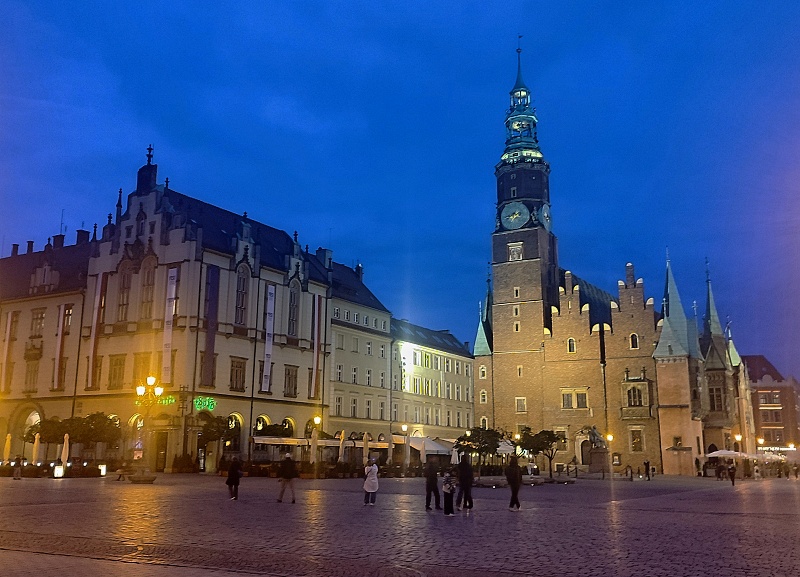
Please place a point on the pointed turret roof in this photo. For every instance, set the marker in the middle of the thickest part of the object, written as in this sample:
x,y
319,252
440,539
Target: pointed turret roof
x,y
483,338
520,83
678,334
711,324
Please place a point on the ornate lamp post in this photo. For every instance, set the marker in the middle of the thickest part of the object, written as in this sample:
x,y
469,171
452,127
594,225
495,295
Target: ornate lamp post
x,y
146,396
609,438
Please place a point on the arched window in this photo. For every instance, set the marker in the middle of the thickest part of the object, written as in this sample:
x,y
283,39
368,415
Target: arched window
x,y
635,397
234,435
148,286
288,424
261,422
571,345
482,372
634,341
294,298
242,281
484,423
483,396
124,296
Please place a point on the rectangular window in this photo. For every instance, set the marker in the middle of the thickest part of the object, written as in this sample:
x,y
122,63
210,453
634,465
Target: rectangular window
x,y
513,192
415,358
148,286
37,323
521,404
67,319
141,368
381,411
366,320
516,326
516,292
354,408
458,367
427,415
338,407
355,317
97,373
383,379
637,441
346,315
566,400
437,416
449,419
448,390
447,365
458,392
519,370
383,351
354,378
437,362
312,394
238,370
124,295
394,411
417,383
31,376
336,312
677,441
339,341
339,372
581,401
426,360
715,399
776,398
416,415
369,377
369,348
290,381
516,310
368,409
355,344
458,419
383,325
116,371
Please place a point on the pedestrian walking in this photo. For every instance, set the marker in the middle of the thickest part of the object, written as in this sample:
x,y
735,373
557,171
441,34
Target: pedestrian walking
x,y
647,470
732,472
514,478
756,472
449,489
287,473
796,470
370,483
465,480
234,476
121,472
18,467
432,485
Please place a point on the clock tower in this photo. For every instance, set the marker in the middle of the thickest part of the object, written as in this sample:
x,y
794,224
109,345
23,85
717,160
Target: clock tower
x,y
524,255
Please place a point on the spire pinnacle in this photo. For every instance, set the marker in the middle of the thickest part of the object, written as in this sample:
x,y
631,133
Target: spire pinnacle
x,y
149,154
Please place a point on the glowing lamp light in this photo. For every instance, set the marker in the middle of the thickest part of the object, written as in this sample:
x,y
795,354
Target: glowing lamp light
x,y
738,437
791,446
404,427
760,440
58,471
516,436
317,420
609,437
102,470
151,380
158,390
469,433
140,389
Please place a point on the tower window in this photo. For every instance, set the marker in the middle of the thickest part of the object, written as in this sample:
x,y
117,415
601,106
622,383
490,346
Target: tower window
x,y
482,372
516,311
516,326
521,404
634,341
483,396
516,292
635,397
571,347
513,192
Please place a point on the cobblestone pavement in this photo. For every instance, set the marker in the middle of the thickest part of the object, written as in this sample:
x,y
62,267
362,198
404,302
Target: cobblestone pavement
x,y
185,525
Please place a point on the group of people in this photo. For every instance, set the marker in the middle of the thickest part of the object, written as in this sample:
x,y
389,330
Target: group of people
x,y
730,471
457,483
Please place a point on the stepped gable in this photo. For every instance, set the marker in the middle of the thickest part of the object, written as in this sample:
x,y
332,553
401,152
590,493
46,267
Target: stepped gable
x,y
599,301
70,262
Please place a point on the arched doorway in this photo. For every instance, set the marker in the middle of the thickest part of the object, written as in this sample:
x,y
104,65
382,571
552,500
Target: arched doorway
x,y
586,448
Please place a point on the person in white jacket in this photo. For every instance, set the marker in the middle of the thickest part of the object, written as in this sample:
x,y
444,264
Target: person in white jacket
x,y
370,483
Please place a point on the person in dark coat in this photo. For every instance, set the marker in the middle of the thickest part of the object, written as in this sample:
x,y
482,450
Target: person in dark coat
x,y
732,472
647,470
234,476
431,485
465,479
287,472
514,478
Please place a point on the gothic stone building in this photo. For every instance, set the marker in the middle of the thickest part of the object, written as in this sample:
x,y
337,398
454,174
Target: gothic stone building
x,y
555,352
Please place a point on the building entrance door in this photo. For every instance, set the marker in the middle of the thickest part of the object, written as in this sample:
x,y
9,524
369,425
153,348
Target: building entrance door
x,y
161,451
586,447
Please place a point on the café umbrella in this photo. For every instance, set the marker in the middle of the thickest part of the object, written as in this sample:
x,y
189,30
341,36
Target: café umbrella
x,y
7,449
35,452
312,458
341,447
65,450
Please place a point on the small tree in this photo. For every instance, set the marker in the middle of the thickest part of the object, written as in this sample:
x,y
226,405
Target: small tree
x,y
527,442
546,442
482,441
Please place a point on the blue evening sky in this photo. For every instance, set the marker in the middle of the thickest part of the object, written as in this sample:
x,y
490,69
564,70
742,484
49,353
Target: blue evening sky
x,y
373,128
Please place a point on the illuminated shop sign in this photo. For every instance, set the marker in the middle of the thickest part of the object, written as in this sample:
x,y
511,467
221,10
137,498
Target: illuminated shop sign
x,y
205,403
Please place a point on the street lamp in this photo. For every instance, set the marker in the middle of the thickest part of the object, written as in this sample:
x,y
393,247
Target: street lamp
x,y
516,444
146,396
609,438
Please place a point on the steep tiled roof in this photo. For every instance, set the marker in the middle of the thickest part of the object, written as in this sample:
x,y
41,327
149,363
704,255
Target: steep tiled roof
x,y
758,367
71,262
599,301
442,340
483,338
347,286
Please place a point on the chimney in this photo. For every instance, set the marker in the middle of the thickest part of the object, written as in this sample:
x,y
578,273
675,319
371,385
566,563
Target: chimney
x,y
30,247
360,272
15,249
325,255
82,237
58,241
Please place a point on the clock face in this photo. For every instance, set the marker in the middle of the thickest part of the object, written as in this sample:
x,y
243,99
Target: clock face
x,y
544,217
514,215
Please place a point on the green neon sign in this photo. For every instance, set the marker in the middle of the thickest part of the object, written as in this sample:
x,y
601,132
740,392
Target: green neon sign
x,y
201,403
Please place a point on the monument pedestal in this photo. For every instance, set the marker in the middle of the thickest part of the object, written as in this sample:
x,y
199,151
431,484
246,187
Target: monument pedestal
x,y
598,460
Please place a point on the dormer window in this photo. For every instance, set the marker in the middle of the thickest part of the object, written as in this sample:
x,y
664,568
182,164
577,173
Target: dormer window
x,y
242,280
